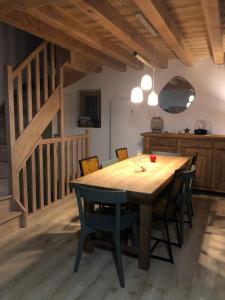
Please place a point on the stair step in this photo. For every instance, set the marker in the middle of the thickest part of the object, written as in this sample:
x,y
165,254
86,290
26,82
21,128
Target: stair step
x,y
5,204
3,153
5,214
4,188
4,198
8,216
4,170
2,136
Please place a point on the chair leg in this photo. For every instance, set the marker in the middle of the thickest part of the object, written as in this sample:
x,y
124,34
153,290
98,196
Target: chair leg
x,y
189,211
83,235
119,262
168,242
181,219
192,210
177,231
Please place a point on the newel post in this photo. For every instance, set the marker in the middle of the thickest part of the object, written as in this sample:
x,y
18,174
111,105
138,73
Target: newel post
x,y
11,139
62,144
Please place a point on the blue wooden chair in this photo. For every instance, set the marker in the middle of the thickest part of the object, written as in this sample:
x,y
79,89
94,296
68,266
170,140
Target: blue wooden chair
x,y
189,176
165,210
112,220
194,160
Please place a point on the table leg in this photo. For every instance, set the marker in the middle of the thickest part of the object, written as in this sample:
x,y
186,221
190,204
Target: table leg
x,y
145,236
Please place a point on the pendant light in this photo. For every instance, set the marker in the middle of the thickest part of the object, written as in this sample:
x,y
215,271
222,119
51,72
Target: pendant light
x,y
137,93
146,82
153,97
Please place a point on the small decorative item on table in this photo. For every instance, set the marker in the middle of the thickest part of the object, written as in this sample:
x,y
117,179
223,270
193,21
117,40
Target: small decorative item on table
x,y
200,127
152,158
187,130
138,164
157,124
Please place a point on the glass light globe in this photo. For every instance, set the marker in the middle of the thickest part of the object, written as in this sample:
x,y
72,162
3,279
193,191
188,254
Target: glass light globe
x,y
146,82
153,99
191,98
188,104
136,95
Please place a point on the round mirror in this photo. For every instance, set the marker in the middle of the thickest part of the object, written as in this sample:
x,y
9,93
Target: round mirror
x,y
177,95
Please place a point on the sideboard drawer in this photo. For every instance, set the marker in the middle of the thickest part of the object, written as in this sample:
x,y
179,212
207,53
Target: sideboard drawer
x,y
195,144
163,142
219,145
153,148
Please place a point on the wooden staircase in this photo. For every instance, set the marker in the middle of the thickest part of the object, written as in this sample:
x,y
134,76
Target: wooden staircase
x,y
4,167
5,194
35,172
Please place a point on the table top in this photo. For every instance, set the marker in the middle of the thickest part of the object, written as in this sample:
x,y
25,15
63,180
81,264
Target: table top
x,y
136,175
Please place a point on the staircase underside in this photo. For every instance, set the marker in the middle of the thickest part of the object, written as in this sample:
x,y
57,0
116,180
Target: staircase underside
x,y
74,72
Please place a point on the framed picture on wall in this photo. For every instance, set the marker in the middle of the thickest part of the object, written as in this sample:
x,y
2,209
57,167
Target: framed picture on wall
x,y
89,108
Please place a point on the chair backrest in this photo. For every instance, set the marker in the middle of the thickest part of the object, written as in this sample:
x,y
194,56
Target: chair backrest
x,y
193,160
188,180
89,165
102,196
109,162
175,190
166,153
122,153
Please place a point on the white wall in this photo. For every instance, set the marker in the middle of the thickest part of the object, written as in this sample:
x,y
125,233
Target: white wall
x,y
15,45
207,79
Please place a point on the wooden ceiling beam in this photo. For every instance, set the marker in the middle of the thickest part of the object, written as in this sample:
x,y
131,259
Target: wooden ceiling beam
x,y
28,23
7,5
156,12
212,13
61,19
105,14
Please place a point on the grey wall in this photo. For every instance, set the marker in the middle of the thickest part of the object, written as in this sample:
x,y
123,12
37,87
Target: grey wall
x,y
15,45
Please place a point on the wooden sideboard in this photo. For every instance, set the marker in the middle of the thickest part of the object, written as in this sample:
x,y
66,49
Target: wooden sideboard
x,y
210,149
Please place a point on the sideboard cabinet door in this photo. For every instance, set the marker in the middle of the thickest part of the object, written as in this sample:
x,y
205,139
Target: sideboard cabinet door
x,y
218,172
203,166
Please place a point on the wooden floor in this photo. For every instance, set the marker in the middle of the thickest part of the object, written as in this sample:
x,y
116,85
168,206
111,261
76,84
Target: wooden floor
x,y
37,262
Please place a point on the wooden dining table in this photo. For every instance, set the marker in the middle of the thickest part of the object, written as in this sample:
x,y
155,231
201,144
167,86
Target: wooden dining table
x,y
143,181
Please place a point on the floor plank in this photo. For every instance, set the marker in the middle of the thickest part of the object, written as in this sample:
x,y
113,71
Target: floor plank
x,y
37,262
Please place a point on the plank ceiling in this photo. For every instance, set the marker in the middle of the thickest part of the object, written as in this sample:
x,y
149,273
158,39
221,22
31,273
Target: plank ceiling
x,y
108,32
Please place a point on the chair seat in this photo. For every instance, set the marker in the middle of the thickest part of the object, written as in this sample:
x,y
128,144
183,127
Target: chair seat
x,y
104,219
